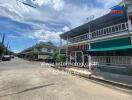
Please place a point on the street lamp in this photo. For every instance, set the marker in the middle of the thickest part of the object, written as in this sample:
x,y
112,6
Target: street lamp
x,y
27,4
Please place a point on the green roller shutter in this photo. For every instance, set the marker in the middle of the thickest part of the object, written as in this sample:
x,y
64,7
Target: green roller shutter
x,y
111,49
111,43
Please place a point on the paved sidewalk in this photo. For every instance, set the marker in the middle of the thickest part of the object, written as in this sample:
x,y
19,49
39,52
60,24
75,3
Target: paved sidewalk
x,y
114,79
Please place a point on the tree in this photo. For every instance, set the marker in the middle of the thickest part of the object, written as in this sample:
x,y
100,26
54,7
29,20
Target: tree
x,y
1,48
59,57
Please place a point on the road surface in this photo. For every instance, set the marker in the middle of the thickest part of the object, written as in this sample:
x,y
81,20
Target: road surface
x,y
24,80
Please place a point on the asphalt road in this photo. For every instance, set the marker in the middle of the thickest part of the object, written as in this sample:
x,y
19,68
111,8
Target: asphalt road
x,y
17,63
24,80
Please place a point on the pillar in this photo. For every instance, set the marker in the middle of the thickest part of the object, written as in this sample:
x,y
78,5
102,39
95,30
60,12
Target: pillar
x,y
129,25
82,59
89,57
75,58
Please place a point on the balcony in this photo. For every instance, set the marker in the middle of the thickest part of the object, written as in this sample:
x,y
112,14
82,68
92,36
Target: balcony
x,y
115,29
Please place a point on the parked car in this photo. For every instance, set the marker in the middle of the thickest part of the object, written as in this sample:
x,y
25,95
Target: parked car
x,y
6,58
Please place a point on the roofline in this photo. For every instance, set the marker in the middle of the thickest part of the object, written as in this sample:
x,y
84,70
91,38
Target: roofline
x,y
68,32
84,26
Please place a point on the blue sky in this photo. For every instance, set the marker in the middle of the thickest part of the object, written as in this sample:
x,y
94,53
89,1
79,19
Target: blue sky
x,y
25,26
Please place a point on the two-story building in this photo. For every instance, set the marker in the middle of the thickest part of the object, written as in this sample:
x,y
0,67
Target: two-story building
x,y
40,51
104,41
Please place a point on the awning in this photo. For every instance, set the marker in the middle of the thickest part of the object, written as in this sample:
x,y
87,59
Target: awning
x,y
111,49
99,23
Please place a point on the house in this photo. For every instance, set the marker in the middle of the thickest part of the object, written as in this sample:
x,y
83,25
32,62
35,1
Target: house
x,y
104,41
41,51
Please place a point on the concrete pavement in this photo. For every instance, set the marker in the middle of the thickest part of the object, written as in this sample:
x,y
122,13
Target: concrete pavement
x,y
23,80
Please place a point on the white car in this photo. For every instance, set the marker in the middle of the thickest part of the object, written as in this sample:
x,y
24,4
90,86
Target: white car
x,y
6,58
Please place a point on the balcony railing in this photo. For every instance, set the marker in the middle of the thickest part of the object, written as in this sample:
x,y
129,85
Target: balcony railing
x,y
100,33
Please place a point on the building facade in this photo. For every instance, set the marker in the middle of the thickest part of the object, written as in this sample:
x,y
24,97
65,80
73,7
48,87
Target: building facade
x,y
104,41
41,51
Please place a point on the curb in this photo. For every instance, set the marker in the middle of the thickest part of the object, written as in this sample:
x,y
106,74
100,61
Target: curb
x,y
129,87
108,83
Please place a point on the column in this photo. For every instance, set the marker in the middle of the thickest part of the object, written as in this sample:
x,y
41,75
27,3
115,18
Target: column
x,y
82,59
89,57
129,25
75,58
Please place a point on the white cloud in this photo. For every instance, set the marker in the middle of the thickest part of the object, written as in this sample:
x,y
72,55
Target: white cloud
x,y
109,3
39,2
46,35
78,15
56,4
12,36
66,28
14,9
59,12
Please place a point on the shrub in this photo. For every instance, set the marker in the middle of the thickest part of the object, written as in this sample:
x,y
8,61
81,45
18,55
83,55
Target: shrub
x,y
59,57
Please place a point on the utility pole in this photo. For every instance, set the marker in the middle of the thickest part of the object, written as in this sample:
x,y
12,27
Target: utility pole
x,y
89,19
67,51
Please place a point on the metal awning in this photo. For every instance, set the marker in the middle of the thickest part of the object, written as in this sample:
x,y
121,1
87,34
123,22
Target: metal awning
x,y
111,49
104,21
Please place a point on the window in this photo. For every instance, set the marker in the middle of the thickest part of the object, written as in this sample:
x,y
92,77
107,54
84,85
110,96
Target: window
x,y
109,29
80,38
48,50
120,27
113,29
116,28
123,27
126,25
44,50
104,31
92,34
85,36
99,32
